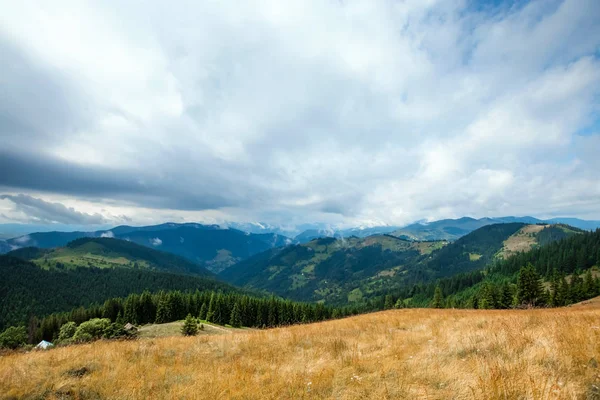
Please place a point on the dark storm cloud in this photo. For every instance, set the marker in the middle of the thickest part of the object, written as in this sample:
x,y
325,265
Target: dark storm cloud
x,y
45,174
45,212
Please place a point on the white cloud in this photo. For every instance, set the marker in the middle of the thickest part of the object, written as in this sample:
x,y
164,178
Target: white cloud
x,y
155,241
107,234
23,240
349,113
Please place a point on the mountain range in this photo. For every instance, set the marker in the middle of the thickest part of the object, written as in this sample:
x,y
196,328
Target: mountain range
x,y
208,245
445,229
109,253
334,270
217,248
346,270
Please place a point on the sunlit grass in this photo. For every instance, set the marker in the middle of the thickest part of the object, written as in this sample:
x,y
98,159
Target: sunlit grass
x,y
434,354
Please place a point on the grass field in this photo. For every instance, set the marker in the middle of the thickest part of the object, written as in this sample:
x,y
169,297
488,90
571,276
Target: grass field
x,y
412,354
174,329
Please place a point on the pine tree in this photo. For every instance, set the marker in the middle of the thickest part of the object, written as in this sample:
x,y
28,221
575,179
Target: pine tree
x,y
236,318
389,302
507,297
399,304
120,320
203,311
190,327
576,292
562,297
147,308
529,287
163,313
211,307
589,289
438,298
486,296
554,289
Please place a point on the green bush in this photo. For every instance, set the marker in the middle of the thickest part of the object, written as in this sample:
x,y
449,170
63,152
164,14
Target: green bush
x,y
13,337
116,331
91,330
67,331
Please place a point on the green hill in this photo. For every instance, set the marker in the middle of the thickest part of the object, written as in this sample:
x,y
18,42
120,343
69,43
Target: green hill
x,y
355,269
562,258
108,253
329,269
452,229
209,245
26,289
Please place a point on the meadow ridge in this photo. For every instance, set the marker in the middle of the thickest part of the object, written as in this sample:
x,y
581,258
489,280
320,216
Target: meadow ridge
x,y
410,353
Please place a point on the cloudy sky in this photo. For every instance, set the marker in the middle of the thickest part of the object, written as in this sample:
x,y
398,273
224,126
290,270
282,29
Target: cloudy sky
x,y
345,112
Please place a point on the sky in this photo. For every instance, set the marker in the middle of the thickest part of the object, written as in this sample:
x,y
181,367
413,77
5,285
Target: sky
x,y
343,112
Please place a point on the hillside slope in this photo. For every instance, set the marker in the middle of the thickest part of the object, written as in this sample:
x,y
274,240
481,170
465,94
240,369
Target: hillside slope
x,y
452,229
396,354
108,253
334,270
209,245
562,251
352,270
26,289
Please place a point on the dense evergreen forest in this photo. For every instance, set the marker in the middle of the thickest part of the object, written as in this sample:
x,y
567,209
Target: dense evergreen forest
x,y
26,289
562,268
237,310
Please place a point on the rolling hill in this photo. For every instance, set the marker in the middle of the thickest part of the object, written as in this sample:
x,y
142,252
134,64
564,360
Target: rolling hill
x,y
452,229
339,271
108,253
26,289
209,245
329,269
445,229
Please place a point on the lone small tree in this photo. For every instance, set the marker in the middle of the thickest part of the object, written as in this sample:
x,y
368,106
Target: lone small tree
x,y
438,298
190,327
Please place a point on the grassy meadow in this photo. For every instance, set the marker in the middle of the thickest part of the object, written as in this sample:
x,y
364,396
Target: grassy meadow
x,y
412,354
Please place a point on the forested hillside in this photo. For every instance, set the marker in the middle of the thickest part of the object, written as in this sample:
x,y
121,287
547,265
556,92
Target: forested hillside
x,y
561,271
334,270
108,253
209,245
352,270
234,309
26,289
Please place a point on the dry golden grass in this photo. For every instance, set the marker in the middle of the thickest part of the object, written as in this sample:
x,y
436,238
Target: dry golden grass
x,y
433,354
523,240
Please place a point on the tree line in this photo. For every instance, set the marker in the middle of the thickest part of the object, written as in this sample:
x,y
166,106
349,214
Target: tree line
x,y
220,308
26,289
559,273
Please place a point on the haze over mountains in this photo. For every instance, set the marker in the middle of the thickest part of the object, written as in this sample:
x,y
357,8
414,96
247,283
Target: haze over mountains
x,y
208,245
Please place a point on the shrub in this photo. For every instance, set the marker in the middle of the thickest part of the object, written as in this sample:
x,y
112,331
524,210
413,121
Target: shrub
x,y
13,337
67,331
91,330
116,331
